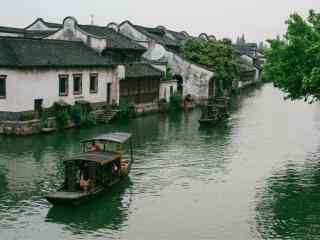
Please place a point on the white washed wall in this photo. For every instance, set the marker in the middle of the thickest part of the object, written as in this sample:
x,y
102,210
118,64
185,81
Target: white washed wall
x,y
24,86
127,30
247,59
165,89
71,32
195,78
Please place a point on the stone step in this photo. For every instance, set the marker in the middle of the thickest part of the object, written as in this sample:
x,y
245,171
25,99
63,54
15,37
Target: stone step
x,y
107,116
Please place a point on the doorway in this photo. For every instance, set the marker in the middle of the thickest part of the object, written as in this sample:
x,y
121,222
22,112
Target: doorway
x,y
109,93
179,83
38,105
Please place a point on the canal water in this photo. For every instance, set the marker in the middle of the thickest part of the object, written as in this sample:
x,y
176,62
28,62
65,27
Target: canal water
x,y
255,176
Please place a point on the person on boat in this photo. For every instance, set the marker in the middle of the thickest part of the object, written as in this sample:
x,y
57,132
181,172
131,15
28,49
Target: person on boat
x,y
84,184
95,147
124,166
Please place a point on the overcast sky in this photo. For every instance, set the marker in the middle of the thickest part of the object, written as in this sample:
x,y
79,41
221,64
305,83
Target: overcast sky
x,y
257,19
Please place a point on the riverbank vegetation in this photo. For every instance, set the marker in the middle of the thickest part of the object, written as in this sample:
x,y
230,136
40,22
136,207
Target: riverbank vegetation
x,y
293,62
80,114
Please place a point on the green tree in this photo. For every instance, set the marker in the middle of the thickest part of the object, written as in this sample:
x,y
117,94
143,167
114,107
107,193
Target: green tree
x,y
217,55
293,62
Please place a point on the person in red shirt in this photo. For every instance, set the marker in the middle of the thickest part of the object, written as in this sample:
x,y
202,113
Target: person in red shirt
x,y
95,147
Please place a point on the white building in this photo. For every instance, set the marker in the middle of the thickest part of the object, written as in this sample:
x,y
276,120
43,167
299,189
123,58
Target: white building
x,y
163,46
48,62
35,73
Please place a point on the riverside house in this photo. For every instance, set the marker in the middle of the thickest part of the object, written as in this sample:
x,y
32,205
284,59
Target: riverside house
x,y
35,73
163,49
47,62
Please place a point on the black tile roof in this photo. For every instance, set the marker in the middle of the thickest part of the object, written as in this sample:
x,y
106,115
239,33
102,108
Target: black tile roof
x,y
37,34
116,40
25,33
52,25
157,35
245,49
138,70
11,30
48,24
37,53
181,37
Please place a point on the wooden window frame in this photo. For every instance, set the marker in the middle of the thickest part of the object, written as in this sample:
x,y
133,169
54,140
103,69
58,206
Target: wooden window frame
x,y
96,75
4,78
77,75
66,93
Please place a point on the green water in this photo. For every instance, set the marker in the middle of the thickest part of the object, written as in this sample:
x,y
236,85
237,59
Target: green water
x,y
256,176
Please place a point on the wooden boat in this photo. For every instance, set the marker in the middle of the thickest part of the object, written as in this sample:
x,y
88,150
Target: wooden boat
x,y
100,165
214,112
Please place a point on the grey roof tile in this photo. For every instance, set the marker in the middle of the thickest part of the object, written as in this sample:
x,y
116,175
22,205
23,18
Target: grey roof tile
x,y
37,53
157,35
138,70
11,30
116,40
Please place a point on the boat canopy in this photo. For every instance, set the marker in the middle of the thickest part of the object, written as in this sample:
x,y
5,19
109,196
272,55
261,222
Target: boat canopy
x,y
117,137
98,157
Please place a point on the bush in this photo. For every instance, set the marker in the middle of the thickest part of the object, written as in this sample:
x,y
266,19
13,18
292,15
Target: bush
x,y
90,120
62,119
77,114
126,110
44,119
163,101
27,116
168,75
60,106
176,101
81,116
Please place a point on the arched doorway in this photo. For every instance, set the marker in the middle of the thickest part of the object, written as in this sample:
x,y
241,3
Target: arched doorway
x,y
179,83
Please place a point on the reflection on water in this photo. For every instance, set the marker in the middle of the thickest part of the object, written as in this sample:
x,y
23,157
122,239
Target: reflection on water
x,y
108,211
288,205
250,177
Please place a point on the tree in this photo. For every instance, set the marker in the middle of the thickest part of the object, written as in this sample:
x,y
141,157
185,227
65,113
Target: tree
x,y
293,62
217,55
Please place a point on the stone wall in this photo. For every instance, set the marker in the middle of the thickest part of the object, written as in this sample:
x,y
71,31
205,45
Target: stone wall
x,y
20,127
14,116
146,108
23,128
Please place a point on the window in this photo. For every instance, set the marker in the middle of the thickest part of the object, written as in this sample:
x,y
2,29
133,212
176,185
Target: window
x,y
3,86
63,85
93,82
77,84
